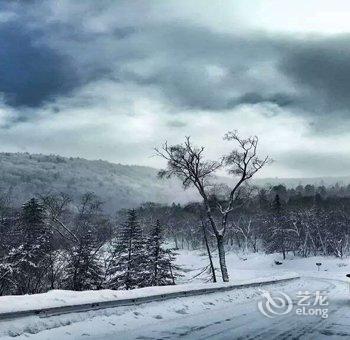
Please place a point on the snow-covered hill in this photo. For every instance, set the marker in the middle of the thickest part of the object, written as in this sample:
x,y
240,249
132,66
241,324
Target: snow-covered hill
x,y
119,186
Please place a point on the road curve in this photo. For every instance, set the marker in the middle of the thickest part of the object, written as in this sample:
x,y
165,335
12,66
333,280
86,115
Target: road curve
x,y
244,321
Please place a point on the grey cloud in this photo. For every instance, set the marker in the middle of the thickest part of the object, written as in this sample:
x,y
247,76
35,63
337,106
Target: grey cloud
x,y
321,68
187,65
54,63
315,163
178,59
35,68
31,73
281,99
192,67
175,123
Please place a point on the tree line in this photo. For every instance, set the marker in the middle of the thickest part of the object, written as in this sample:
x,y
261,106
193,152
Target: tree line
x,y
51,243
298,225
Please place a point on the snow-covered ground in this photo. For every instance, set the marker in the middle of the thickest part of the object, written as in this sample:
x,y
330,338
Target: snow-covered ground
x,y
217,315
249,266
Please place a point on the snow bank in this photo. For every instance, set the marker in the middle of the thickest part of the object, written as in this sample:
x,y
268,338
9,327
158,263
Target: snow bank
x,y
65,298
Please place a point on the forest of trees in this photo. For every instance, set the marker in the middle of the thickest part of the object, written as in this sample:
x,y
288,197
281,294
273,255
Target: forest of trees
x,y
54,243
50,243
303,221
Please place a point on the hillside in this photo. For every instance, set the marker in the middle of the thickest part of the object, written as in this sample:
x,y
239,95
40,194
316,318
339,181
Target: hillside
x,y
119,186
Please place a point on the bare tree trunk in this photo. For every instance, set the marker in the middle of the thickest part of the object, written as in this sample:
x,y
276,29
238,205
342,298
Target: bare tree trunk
x,y
283,247
175,240
238,241
171,271
322,243
222,259
209,253
219,240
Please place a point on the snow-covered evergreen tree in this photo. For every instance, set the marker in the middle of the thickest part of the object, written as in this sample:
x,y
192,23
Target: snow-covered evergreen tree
x,y
128,270
26,264
83,270
160,268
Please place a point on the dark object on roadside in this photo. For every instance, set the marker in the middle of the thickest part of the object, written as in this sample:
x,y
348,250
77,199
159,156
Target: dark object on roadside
x,y
348,275
318,264
278,263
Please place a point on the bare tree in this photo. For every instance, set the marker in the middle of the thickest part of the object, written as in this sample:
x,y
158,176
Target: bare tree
x,y
212,268
187,162
55,206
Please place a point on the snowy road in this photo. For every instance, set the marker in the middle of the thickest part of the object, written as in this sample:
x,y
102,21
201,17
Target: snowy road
x,y
216,316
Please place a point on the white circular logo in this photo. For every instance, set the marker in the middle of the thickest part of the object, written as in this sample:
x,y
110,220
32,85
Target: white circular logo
x,y
272,306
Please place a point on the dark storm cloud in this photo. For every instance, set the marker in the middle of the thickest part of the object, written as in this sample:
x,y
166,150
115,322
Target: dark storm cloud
x,y
311,77
31,73
191,66
61,55
321,68
281,99
196,68
34,67
77,74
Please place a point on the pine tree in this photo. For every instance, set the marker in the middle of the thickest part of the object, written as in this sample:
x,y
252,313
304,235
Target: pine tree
x,y
276,238
128,269
27,263
160,268
83,270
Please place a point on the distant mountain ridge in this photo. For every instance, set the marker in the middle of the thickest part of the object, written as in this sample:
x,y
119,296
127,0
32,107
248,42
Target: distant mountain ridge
x,y
119,186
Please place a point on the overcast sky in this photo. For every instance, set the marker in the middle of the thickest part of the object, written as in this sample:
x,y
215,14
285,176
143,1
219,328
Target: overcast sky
x,y
113,79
